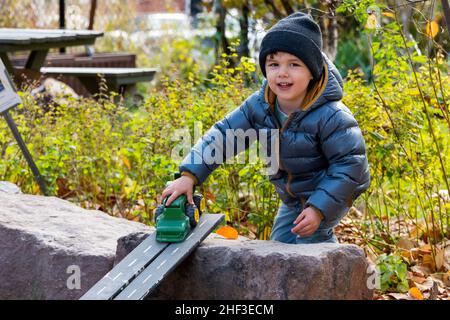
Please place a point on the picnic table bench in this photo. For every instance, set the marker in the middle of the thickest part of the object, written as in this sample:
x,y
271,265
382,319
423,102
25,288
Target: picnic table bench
x,y
39,42
117,79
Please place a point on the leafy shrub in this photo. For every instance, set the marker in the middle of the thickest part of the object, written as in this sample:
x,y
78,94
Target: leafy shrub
x,y
393,273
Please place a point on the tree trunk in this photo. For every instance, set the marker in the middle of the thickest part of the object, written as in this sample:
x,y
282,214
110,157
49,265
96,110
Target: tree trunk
x,y
221,41
243,50
329,26
446,10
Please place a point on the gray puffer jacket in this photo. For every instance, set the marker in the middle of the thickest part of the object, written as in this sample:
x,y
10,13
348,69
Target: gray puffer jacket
x,y
321,151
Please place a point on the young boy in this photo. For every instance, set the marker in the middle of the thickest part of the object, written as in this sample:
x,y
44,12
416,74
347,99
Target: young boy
x,y
321,152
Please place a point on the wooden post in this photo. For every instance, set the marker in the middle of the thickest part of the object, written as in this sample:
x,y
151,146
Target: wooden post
x,y
92,14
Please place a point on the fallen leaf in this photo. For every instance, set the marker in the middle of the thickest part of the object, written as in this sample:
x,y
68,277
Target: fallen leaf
x,y
227,232
446,278
421,271
426,249
418,280
425,286
399,296
415,293
427,261
414,253
439,259
447,257
405,243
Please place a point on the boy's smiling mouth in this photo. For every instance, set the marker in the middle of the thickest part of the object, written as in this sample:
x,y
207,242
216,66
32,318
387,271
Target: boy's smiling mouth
x,y
284,85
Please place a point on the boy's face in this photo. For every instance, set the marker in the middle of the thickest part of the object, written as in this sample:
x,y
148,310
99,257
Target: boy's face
x,y
288,77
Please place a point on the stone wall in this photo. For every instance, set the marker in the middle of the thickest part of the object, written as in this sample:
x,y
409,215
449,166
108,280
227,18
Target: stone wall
x,y
46,241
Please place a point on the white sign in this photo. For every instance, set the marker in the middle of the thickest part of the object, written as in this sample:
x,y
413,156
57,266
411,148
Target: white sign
x,y
8,96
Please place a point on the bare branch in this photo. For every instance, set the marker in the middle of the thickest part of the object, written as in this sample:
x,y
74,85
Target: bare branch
x,y
287,7
278,14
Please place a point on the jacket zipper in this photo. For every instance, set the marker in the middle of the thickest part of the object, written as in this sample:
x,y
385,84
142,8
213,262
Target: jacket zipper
x,y
288,188
288,183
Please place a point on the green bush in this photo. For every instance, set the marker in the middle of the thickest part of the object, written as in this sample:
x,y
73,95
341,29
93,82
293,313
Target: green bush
x,y
393,273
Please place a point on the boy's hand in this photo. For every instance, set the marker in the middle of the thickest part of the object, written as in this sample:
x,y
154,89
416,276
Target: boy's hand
x,y
182,185
307,222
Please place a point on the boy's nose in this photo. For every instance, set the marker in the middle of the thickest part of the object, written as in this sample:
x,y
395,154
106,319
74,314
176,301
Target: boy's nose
x,y
283,72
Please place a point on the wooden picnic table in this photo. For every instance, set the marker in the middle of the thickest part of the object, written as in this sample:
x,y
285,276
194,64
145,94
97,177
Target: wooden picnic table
x,y
117,79
39,42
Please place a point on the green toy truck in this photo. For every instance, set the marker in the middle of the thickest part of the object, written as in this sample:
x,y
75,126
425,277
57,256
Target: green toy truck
x,y
174,222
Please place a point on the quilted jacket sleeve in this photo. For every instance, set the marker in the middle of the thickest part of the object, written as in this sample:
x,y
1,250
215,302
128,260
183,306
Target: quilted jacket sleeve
x,y
348,173
211,150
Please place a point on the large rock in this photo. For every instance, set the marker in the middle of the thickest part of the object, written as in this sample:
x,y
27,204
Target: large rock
x,y
252,269
8,187
45,241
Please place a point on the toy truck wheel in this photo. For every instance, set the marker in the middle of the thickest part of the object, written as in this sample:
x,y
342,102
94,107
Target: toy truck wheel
x,y
199,202
193,214
158,212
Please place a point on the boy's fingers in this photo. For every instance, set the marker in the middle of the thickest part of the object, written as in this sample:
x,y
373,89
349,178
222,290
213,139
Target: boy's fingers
x,y
172,197
303,225
189,197
166,192
299,218
304,232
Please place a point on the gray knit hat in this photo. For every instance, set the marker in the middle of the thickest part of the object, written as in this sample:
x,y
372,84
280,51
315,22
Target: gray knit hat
x,y
296,34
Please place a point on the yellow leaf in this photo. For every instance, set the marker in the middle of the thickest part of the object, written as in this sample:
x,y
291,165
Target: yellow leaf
x,y
128,186
126,162
432,29
388,14
372,22
227,232
427,261
415,293
426,249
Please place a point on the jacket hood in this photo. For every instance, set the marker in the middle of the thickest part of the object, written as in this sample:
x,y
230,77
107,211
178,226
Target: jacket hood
x,y
333,90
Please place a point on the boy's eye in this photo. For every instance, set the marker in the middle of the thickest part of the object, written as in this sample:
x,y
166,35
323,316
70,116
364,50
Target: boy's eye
x,y
295,64
273,64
